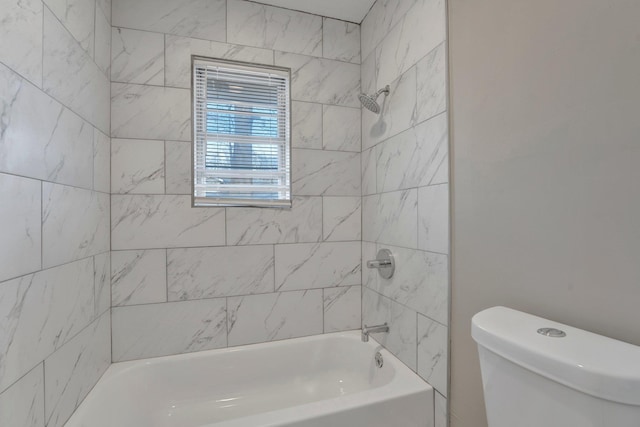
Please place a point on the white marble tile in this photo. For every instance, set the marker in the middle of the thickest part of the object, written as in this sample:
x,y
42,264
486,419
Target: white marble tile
x,y
150,112
22,405
19,226
442,175
137,166
253,24
102,51
306,125
432,353
179,50
421,282
75,224
195,273
432,84
317,265
341,128
329,173
413,157
101,162
441,418
401,338
278,316
421,30
341,218
342,311
369,172
178,163
391,218
397,113
301,223
87,93
105,7
152,222
204,19
52,305
341,40
369,74
381,18
433,218
40,138
370,276
78,17
137,57
138,277
322,80
102,282
72,371
21,38
153,330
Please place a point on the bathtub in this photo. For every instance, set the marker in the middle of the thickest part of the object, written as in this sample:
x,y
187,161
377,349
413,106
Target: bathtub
x,y
326,380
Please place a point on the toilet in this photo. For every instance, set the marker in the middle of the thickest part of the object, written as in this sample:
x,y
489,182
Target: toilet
x,y
539,373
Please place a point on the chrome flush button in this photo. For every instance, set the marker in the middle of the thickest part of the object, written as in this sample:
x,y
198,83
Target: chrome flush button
x,y
552,332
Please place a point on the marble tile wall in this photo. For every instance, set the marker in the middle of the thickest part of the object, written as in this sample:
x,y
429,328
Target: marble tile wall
x,y
54,206
405,192
187,279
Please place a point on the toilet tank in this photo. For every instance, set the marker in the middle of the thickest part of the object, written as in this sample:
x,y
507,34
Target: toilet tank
x,y
553,379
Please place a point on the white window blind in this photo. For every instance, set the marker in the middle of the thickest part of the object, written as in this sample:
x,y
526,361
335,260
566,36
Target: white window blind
x,y
242,150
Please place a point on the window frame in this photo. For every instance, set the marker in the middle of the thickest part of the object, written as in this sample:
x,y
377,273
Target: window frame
x,y
199,202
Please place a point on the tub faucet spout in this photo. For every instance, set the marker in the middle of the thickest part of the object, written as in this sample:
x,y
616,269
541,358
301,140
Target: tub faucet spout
x,y
366,330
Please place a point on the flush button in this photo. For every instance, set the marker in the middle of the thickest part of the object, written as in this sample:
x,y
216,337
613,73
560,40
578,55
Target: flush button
x,y
552,332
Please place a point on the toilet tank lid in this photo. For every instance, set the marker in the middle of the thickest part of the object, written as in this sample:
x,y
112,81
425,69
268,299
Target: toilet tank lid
x,y
591,363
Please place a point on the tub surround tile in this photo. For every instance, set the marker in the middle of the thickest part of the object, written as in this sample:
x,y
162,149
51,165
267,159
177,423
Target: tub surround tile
x,y
432,85
177,167
322,80
101,162
21,38
23,403
53,305
341,218
306,125
369,275
102,54
342,308
383,16
341,40
137,166
105,7
19,226
75,224
433,218
151,222
204,19
401,338
137,57
421,282
270,317
319,265
78,17
179,50
102,282
253,24
432,353
197,273
391,218
138,277
150,112
87,93
412,158
369,171
369,74
441,418
341,128
301,223
442,175
39,137
329,173
72,371
171,328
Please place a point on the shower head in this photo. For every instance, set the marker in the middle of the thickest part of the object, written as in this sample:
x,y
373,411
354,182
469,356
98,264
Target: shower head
x,y
370,101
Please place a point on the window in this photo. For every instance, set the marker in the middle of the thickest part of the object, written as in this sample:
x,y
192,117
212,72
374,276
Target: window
x,y
241,148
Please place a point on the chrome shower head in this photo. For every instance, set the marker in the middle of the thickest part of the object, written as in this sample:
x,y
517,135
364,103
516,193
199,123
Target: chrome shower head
x,y
370,101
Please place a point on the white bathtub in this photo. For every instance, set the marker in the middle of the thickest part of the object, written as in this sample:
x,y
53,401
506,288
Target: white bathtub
x,y
321,381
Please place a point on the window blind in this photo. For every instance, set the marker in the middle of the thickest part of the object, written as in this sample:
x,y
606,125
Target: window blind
x,y
242,152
